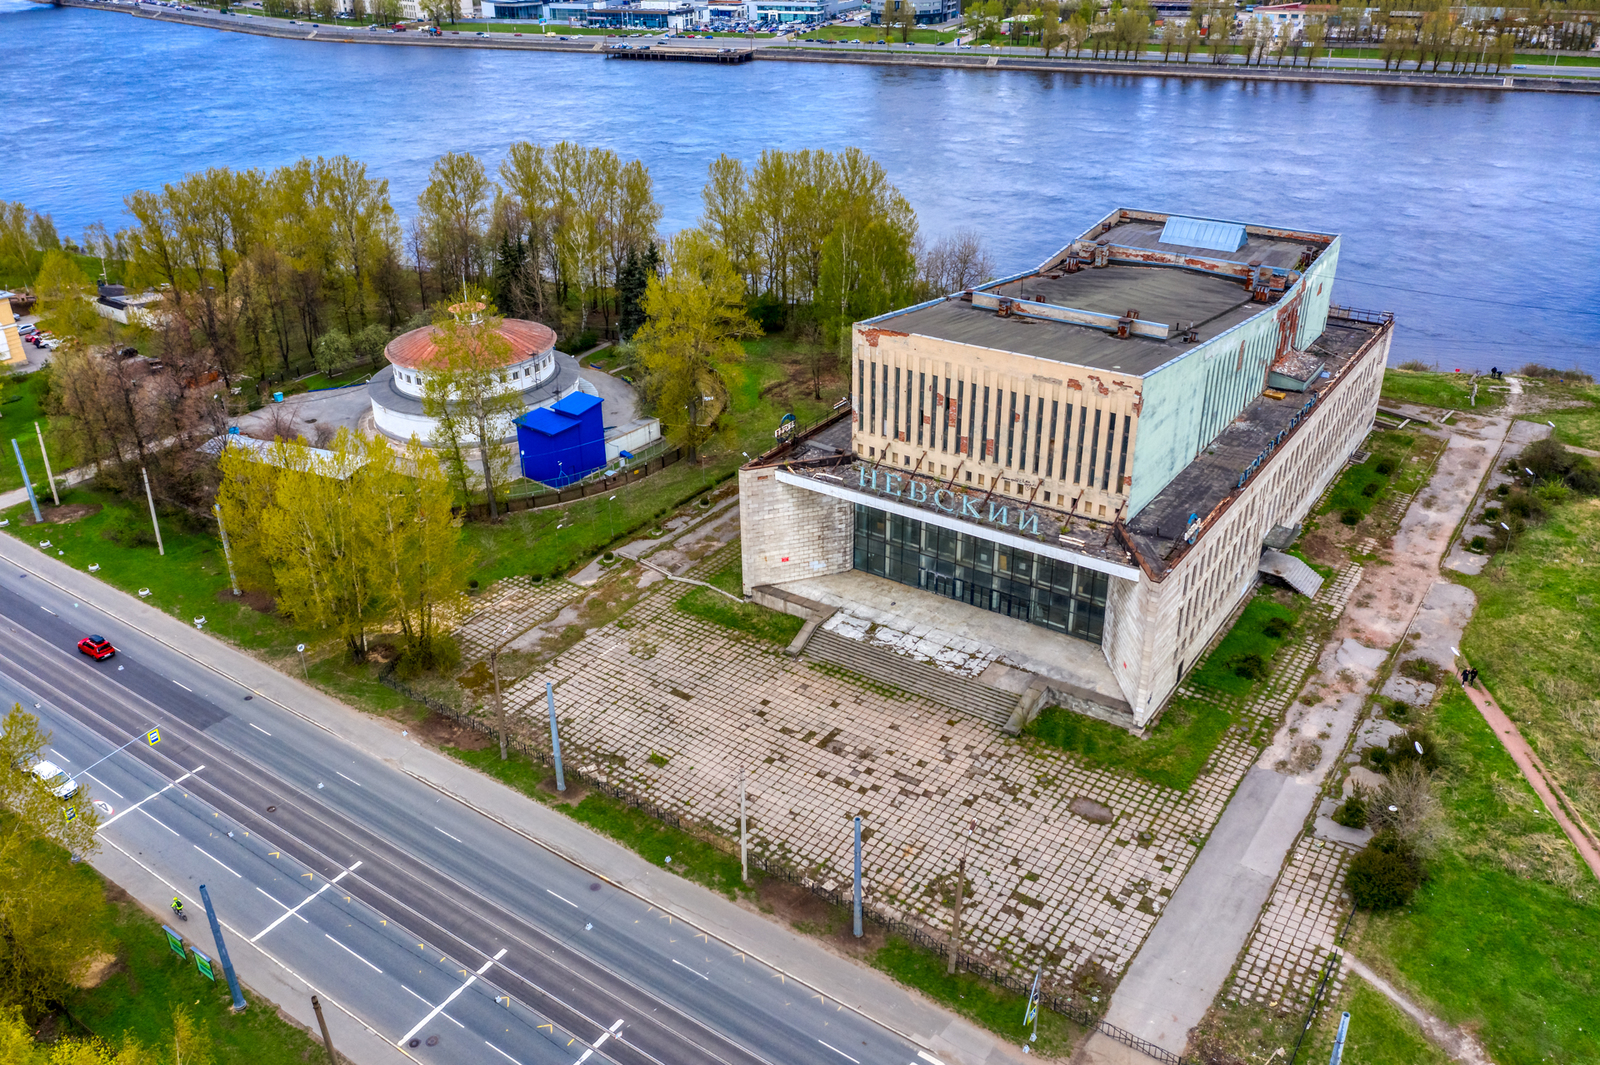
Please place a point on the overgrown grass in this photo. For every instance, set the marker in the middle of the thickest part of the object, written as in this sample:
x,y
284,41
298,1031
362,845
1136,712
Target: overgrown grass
x,y
1446,391
1501,936
872,34
749,618
1173,756
1250,644
1378,1032
1536,639
693,858
137,998
1363,486
993,1007
21,405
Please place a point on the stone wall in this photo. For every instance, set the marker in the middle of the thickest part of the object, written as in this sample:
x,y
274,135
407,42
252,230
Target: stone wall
x,y
789,534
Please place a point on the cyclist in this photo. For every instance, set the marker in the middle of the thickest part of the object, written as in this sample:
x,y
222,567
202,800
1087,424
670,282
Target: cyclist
x,y
177,908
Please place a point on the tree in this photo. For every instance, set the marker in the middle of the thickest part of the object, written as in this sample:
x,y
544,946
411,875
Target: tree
x,y
899,16
1190,37
64,298
25,237
1051,35
694,321
439,11
1074,33
956,262
333,352
43,939
466,390
367,345
1316,34
454,207
631,285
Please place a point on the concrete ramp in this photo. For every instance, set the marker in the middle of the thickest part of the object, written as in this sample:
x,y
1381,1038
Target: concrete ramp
x,y
1293,572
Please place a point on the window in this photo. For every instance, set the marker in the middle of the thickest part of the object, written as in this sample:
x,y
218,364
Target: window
x,y
1050,459
983,441
1043,591
872,403
1094,445
896,403
1011,432
1111,436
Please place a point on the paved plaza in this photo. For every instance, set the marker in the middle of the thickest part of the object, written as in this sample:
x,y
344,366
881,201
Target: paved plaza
x,y
1296,931
673,707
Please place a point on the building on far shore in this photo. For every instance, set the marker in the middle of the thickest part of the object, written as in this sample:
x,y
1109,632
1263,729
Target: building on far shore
x,y
928,12
1107,450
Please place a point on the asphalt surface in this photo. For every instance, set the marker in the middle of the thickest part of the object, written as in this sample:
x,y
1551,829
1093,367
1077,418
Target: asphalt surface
x,y
431,924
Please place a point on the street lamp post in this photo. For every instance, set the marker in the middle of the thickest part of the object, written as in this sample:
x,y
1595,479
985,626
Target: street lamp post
x,y
555,735
222,952
744,850
227,552
857,899
304,669
48,476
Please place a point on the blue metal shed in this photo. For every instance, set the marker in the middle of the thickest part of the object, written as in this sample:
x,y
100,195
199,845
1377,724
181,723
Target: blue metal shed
x,y
562,443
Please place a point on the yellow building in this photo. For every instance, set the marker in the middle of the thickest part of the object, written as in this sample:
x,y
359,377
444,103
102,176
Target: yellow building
x,y
10,340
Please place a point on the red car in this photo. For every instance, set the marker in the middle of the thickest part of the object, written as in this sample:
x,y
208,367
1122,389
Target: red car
x,y
96,647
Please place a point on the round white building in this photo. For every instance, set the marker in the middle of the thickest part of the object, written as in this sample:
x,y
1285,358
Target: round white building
x,y
533,367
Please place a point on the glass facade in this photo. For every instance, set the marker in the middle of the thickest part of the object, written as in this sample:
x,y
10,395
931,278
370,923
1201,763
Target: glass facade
x,y
1010,581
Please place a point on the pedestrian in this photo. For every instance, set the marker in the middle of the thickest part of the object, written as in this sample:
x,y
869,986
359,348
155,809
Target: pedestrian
x,y
1474,678
1466,675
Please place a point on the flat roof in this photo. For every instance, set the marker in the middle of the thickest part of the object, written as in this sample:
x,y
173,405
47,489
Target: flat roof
x,y
1159,294
1269,248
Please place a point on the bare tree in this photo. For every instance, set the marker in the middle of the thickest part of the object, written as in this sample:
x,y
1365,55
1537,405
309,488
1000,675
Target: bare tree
x,y
956,261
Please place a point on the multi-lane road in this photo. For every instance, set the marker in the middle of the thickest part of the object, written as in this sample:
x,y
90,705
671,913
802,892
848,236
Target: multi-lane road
x,y
446,933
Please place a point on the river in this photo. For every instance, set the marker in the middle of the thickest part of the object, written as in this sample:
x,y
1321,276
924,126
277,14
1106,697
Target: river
x,y
1473,215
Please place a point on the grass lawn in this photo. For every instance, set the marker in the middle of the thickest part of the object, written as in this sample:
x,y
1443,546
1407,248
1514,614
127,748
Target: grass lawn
x,y
21,399
1577,426
873,34
1446,391
1363,486
1501,938
1263,627
352,376
1378,1031
138,996
1536,637
747,618
976,999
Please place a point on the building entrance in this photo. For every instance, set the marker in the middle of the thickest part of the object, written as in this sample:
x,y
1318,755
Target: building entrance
x,y
1010,581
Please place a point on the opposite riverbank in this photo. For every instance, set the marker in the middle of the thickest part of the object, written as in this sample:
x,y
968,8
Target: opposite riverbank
x,y
336,34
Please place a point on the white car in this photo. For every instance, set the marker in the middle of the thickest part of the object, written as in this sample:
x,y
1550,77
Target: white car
x,y
56,779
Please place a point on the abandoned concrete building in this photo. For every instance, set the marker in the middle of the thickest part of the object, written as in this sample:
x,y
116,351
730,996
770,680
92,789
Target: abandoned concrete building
x,y
1085,467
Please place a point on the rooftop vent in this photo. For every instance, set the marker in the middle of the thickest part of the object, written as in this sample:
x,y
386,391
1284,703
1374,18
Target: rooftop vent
x,y
1203,233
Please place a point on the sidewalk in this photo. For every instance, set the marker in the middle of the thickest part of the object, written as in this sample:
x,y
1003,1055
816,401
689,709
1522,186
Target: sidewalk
x,y
946,1036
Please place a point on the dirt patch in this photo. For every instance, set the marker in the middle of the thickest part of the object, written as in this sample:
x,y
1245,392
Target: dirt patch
x,y
816,917
96,969
260,602
114,893
574,794
1094,812
442,732
68,512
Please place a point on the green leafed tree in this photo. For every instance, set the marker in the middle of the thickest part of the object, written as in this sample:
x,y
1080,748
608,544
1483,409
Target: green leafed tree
x,y
466,391
694,321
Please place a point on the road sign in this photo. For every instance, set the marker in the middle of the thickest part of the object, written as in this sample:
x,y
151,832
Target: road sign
x,y
785,427
70,813
203,964
1033,999
153,736
175,941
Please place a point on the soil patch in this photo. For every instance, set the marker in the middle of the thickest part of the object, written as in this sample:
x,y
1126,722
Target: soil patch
x,y
571,797
816,917
1091,811
260,602
115,893
68,512
440,731
95,971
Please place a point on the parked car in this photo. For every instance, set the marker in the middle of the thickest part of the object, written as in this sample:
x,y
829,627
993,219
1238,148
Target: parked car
x,y
96,647
56,779
27,330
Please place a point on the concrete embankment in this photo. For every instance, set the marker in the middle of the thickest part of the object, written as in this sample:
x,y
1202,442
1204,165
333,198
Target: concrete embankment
x,y
595,45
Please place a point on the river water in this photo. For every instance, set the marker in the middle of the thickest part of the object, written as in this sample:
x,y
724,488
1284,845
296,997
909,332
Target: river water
x,y
1475,216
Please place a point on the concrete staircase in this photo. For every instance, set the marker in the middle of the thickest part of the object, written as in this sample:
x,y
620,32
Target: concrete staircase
x,y
920,678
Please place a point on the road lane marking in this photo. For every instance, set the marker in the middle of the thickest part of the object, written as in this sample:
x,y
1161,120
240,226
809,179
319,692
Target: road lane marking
x,y
296,909
184,686
425,1002
925,1056
302,919
841,1053
436,828
59,755
354,955
152,795
401,1042
197,847
569,902
103,784
598,1043
680,965
357,783
259,729
157,820
502,1053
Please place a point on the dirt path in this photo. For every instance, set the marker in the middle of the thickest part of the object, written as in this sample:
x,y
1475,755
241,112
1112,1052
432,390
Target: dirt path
x,y
1458,1044
1555,800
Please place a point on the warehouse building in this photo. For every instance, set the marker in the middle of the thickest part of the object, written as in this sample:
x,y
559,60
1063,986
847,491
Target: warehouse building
x,y
1109,449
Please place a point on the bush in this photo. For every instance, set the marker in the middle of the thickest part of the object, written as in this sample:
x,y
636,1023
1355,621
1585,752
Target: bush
x,y
1478,544
1491,515
1424,670
1385,466
1403,750
1415,366
1352,813
1551,462
1251,666
1277,628
1384,875
1550,373
1350,516
1397,710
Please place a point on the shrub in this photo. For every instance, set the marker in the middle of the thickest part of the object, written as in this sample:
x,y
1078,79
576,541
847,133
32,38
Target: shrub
x,y
1503,491
1403,749
1385,466
1250,666
1415,366
1491,515
1424,670
1350,516
1478,544
1384,875
1550,373
1370,488
1397,710
1352,813
1277,628
1525,505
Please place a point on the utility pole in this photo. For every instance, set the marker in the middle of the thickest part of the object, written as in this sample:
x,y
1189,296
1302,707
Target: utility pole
x,y
857,927
26,483
499,703
961,887
227,551
48,476
327,1040
555,734
222,952
160,548
1338,1042
744,849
